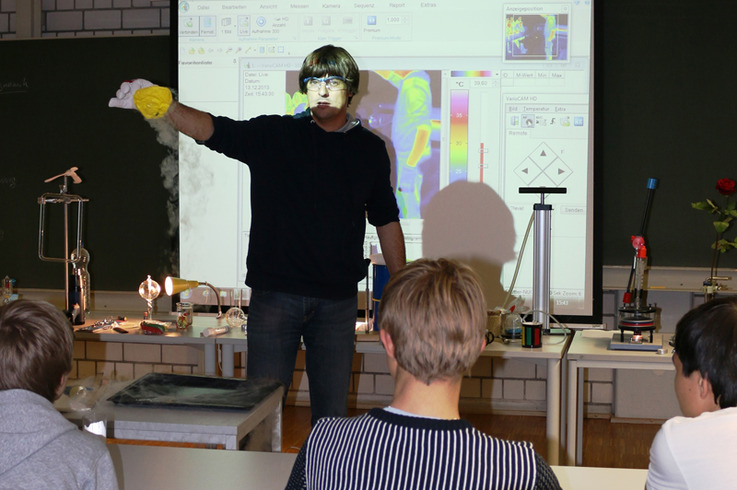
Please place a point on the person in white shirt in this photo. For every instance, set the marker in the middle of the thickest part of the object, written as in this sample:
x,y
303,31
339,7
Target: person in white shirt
x,y
697,450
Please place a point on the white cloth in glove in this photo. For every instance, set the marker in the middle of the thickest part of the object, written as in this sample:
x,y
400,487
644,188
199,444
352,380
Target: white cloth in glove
x,y
124,96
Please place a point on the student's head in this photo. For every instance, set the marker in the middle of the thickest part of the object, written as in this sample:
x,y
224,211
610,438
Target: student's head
x,y
706,351
435,313
327,61
36,345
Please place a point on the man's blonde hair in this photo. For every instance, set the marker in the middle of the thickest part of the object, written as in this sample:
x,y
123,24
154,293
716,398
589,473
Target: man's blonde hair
x,y
435,313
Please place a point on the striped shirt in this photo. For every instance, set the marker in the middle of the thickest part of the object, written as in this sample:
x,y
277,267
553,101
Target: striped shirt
x,y
383,450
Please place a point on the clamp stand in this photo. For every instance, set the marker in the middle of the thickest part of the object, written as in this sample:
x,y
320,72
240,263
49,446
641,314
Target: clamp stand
x,y
63,197
541,255
711,286
633,314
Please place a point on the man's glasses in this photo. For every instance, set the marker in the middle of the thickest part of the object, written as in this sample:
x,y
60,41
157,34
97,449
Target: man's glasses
x,y
331,83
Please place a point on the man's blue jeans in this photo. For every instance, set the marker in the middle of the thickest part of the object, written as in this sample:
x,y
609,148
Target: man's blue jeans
x,y
277,322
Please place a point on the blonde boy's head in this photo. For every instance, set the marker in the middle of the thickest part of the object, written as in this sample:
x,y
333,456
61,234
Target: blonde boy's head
x,y
435,313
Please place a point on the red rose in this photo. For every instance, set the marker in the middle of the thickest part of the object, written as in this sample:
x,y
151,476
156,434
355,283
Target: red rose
x,y
726,187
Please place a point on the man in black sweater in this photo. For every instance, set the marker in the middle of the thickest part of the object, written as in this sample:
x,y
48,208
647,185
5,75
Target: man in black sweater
x,y
315,178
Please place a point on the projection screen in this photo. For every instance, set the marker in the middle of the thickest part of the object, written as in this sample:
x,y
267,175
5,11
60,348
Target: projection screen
x,y
500,92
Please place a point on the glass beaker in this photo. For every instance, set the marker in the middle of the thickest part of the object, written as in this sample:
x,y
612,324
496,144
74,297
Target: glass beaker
x,y
184,315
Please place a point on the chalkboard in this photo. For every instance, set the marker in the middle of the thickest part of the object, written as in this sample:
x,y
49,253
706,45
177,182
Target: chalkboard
x,y
666,110
53,106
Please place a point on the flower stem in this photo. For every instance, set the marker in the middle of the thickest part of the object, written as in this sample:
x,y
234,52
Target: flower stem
x,y
715,258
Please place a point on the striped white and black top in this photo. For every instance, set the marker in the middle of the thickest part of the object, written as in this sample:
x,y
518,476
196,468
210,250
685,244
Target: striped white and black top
x,y
383,450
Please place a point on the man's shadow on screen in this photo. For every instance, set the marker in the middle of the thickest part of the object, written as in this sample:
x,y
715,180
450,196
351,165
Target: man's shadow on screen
x,y
470,222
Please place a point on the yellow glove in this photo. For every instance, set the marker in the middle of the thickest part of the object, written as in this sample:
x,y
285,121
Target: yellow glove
x,y
153,101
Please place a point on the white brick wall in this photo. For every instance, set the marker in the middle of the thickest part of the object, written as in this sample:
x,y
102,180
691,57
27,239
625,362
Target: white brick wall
x,y
84,18
5,17
104,351
150,353
125,361
471,388
179,354
482,368
141,19
535,390
514,389
95,20
364,383
384,384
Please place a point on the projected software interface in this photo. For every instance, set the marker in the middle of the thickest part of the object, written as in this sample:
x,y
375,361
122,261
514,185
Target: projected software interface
x,y
477,91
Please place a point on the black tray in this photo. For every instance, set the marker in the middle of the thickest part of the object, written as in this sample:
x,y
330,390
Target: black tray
x,y
179,390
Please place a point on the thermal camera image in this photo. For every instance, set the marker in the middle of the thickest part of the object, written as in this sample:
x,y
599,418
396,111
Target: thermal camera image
x,y
397,105
411,130
536,37
295,103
